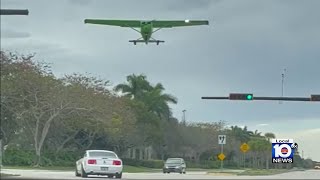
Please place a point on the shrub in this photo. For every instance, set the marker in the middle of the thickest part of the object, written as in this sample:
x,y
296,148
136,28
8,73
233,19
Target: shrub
x,y
17,157
143,163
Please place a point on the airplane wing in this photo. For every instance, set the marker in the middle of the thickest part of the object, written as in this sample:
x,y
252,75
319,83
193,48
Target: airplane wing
x,y
170,24
121,23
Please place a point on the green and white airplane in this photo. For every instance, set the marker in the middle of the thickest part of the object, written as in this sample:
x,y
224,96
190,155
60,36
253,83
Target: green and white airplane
x,y
147,27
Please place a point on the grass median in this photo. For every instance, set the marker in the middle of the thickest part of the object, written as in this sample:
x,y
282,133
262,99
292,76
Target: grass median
x,y
263,172
7,175
128,169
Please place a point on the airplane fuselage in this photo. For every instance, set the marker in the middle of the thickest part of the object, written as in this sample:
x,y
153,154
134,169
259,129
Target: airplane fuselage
x,y
146,31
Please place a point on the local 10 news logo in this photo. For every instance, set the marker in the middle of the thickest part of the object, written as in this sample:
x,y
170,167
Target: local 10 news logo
x,y
283,150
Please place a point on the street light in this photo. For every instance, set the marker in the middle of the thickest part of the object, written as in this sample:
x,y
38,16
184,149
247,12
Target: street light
x,y
184,116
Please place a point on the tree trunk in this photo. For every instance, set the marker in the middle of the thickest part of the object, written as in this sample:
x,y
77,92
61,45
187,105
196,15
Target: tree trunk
x,y
64,143
39,143
38,157
37,162
197,157
1,153
255,160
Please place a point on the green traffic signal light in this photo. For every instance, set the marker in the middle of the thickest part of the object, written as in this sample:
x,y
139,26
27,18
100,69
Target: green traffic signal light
x,y
241,96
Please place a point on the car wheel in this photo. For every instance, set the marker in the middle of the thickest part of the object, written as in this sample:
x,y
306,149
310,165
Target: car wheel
x,y
119,176
77,174
83,173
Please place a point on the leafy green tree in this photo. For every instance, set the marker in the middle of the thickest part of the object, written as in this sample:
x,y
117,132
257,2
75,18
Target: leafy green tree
x,y
136,87
40,99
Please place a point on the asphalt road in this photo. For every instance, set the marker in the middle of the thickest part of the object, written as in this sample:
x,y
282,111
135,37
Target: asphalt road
x,y
45,174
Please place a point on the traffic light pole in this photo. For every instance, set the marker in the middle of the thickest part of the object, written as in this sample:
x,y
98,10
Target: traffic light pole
x,y
267,98
215,98
222,160
282,98
14,12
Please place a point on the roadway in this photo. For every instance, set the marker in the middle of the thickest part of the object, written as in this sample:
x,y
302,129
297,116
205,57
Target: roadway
x,y
46,174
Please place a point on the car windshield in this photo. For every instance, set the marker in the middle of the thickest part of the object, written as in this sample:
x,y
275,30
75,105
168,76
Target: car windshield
x,y
173,161
102,154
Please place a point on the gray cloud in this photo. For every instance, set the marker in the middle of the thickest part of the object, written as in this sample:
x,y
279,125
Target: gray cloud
x,y
79,2
11,3
7,33
186,5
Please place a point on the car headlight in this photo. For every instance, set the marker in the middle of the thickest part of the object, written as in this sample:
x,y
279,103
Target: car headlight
x,y
177,167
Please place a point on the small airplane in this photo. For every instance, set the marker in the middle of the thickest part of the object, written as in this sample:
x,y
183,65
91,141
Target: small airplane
x,y
147,27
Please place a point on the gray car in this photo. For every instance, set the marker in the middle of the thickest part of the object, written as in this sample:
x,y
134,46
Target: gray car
x,y
175,165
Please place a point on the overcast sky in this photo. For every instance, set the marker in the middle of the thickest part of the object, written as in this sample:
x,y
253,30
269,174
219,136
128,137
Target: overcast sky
x,y
245,48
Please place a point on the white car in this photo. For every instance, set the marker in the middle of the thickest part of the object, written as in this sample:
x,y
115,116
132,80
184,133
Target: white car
x,y
99,162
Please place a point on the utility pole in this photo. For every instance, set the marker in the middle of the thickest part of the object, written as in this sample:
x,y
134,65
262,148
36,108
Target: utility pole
x,y
1,153
184,116
1,148
282,83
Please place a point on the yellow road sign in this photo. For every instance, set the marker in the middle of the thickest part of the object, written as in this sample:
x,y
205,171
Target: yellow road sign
x,y
244,147
221,156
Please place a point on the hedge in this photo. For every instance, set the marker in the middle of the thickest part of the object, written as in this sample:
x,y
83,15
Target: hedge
x,y
144,163
18,157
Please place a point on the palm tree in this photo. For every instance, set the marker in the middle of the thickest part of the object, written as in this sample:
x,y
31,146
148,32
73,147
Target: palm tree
x,y
136,87
269,136
256,134
260,150
157,101
243,135
268,148
153,97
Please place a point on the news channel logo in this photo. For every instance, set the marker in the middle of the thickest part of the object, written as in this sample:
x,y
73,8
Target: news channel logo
x,y
283,150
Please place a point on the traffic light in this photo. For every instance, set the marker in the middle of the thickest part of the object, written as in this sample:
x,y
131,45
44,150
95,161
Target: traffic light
x,y
315,97
240,96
